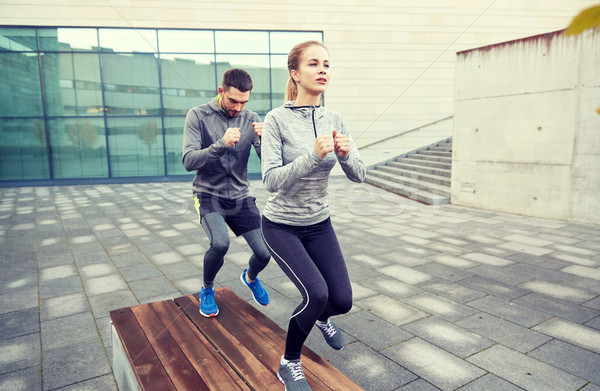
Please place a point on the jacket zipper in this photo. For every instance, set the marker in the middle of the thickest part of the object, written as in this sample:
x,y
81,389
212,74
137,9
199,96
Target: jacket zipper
x,y
313,121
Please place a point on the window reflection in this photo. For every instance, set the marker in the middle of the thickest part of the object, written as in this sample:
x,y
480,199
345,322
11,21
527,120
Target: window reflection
x,y
131,84
242,41
187,81
186,41
78,148
23,149
68,39
173,143
17,40
279,78
128,40
20,92
136,146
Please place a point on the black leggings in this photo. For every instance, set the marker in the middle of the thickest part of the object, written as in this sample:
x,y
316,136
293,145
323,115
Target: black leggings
x,y
312,259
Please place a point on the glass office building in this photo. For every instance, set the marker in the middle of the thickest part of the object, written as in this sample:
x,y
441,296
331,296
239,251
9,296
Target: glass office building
x,y
80,105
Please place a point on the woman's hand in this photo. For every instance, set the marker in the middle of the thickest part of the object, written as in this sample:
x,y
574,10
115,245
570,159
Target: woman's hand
x,y
323,145
341,144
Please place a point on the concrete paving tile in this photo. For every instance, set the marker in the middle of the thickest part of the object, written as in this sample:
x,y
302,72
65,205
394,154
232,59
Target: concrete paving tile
x,y
18,323
487,259
390,287
166,258
570,358
369,369
444,272
100,269
507,333
92,258
587,284
433,364
67,331
452,261
100,285
583,271
558,291
493,287
405,274
129,259
361,324
510,311
499,274
391,310
489,382
451,291
28,379
573,333
525,371
594,303
577,250
139,271
104,383
74,364
62,306
153,287
574,259
563,309
18,297
591,387
446,248
531,272
102,304
448,336
530,240
436,305
19,353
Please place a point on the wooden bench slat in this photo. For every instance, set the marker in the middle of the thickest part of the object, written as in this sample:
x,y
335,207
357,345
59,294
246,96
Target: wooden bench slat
x,y
142,357
180,370
222,331
313,364
209,364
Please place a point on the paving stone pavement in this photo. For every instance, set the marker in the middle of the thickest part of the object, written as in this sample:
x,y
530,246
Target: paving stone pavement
x,y
445,297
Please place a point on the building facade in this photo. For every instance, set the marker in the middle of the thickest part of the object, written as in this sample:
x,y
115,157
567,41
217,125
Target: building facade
x,y
97,90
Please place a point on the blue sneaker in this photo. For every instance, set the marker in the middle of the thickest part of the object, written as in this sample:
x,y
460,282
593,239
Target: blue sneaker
x,y
259,293
208,307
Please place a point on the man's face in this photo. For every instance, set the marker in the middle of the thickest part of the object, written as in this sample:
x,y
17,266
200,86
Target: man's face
x,y
233,100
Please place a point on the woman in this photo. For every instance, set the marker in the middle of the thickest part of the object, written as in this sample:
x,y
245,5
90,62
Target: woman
x,y
301,143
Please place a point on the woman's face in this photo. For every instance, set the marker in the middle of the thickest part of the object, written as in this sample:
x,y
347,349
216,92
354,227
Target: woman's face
x,y
312,75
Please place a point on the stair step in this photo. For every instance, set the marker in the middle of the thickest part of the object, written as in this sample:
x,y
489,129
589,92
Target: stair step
x,y
410,181
440,149
409,192
416,175
443,172
433,158
436,153
423,162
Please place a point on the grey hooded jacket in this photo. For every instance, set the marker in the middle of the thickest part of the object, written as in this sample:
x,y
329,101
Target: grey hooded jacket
x,y
293,172
220,171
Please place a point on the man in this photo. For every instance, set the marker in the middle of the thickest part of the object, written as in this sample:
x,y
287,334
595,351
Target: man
x,y
216,143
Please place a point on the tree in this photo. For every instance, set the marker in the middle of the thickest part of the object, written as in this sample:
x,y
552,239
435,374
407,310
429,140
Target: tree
x,y
147,132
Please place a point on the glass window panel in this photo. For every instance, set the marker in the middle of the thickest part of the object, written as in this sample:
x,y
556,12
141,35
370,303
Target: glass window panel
x,y
258,68
78,148
242,41
128,40
136,146
23,151
68,39
17,40
173,145
279,78
186,41
131,84
72,84
282,41
20,90
187,81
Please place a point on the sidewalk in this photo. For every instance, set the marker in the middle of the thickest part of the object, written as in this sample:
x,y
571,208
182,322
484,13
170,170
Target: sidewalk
x,y
445,297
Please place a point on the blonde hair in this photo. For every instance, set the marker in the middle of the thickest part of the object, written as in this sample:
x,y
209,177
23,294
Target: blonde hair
x,y
294,58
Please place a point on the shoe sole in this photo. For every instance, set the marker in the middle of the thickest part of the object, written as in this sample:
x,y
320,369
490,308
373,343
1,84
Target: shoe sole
x,y
281,380
210,315
252,293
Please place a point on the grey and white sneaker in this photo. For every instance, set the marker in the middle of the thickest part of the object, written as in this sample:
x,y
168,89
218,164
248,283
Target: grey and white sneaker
x,y
333,336
291,375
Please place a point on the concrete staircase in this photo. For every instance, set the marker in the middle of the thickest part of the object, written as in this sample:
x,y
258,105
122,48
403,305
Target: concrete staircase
x,y
422,175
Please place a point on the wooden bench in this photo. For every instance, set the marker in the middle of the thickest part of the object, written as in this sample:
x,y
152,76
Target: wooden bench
x,y
168,345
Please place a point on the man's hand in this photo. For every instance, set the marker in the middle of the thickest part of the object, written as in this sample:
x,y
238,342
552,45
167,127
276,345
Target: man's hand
x,y
323,145
232,136
258,127
341,144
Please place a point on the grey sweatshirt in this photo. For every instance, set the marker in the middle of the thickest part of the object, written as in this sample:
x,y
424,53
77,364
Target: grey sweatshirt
x,y
220,171
292,170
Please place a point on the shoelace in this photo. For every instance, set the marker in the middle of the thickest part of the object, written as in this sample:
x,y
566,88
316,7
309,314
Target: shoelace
x,y
296,369
327,328
208,297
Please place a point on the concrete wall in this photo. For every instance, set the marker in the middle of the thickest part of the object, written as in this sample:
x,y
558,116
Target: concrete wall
x,y
526,132
392,60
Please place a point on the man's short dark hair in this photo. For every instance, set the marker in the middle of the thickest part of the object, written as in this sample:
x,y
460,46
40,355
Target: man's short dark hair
x,y
237,78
